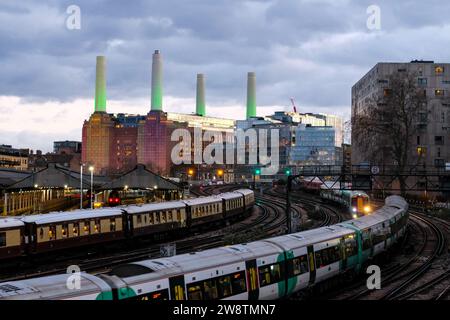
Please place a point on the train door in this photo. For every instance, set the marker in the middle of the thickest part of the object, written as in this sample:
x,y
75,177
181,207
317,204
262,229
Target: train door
x,y
177,288
312,265
252,280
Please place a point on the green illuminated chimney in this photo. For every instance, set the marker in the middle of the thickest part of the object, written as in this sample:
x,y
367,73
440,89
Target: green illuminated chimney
x,y
251,95
200,101
157,82
100,85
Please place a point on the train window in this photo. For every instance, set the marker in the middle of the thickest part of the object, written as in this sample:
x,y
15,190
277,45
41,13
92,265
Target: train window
x,y
87,227
269,274
150,218
210,289
155,295
64,230
2,239
169,216
156,217
238,284
366,243
52,232
112,224
163,217
97,226
298,266
145,219
76,229
327,256
225,286
178,215
194,292
350,246
139,219
41,233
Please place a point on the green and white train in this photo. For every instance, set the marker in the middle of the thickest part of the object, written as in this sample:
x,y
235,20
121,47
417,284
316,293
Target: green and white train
x,y
268,269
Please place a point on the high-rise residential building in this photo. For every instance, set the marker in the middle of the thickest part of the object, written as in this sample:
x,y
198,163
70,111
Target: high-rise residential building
x,y
432,141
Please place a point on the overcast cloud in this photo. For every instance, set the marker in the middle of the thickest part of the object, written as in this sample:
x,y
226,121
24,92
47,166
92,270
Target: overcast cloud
x,y
311,50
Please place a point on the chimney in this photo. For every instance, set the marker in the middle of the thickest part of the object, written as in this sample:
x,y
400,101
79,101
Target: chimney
x,y
251,95
200,102
100,84
157,82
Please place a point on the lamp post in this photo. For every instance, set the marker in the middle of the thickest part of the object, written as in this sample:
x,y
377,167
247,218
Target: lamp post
x,y
81,186
91,169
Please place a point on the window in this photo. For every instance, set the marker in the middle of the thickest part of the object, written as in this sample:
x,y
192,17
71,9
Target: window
x,y
41,233
418,140
439,163
2,239
112,224
350,246
76,229
439,152
366,240
421,151
298,266
139,219
327,256
439,70
169,216
218,287
97,226
52,232
87,227
178,215
422,81
270,274
438,140
438,92
64,230
194,292
387,92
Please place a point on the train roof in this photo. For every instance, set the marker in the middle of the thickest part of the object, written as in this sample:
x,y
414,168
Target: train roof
x,y
10,222
244,191
203,200
189,262
155,206
230,195
79,214
308,237
54,287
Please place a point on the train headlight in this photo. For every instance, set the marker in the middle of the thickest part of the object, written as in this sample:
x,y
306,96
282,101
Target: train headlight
x,y
354,216
354,209
367,209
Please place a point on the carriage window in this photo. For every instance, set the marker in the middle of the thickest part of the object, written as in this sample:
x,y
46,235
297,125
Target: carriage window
x,y
350,246
163,216
97,226
157,218
41,233
225,286
52,232
194,292
112,225
327,256
87,227
64,230
210,289
2,239
76,229
298,266
150,218
139,219
145,219
238,283
178,215
169,216
269,274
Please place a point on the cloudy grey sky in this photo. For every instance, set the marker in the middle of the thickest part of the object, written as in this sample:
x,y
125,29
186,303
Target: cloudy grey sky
x,y
312,50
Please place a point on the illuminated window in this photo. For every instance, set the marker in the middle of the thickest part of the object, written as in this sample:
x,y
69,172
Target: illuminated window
x,y
422,81
439,70
76,229
52,232
87,227
421,151
41,233
387,92
97,226
112,225
439,92
64,230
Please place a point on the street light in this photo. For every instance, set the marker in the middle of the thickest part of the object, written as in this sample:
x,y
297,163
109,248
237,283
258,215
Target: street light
x,y
91,169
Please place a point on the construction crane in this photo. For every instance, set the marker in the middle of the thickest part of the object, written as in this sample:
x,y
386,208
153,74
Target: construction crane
x,y
293,105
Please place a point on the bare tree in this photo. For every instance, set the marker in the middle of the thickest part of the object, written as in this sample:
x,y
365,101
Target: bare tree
x,y
385,129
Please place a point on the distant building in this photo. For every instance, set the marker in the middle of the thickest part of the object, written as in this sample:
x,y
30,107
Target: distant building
x,y
315,145
13,158
67,147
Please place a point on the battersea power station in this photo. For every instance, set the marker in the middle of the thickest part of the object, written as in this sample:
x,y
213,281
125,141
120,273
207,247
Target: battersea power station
x,y
116,143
